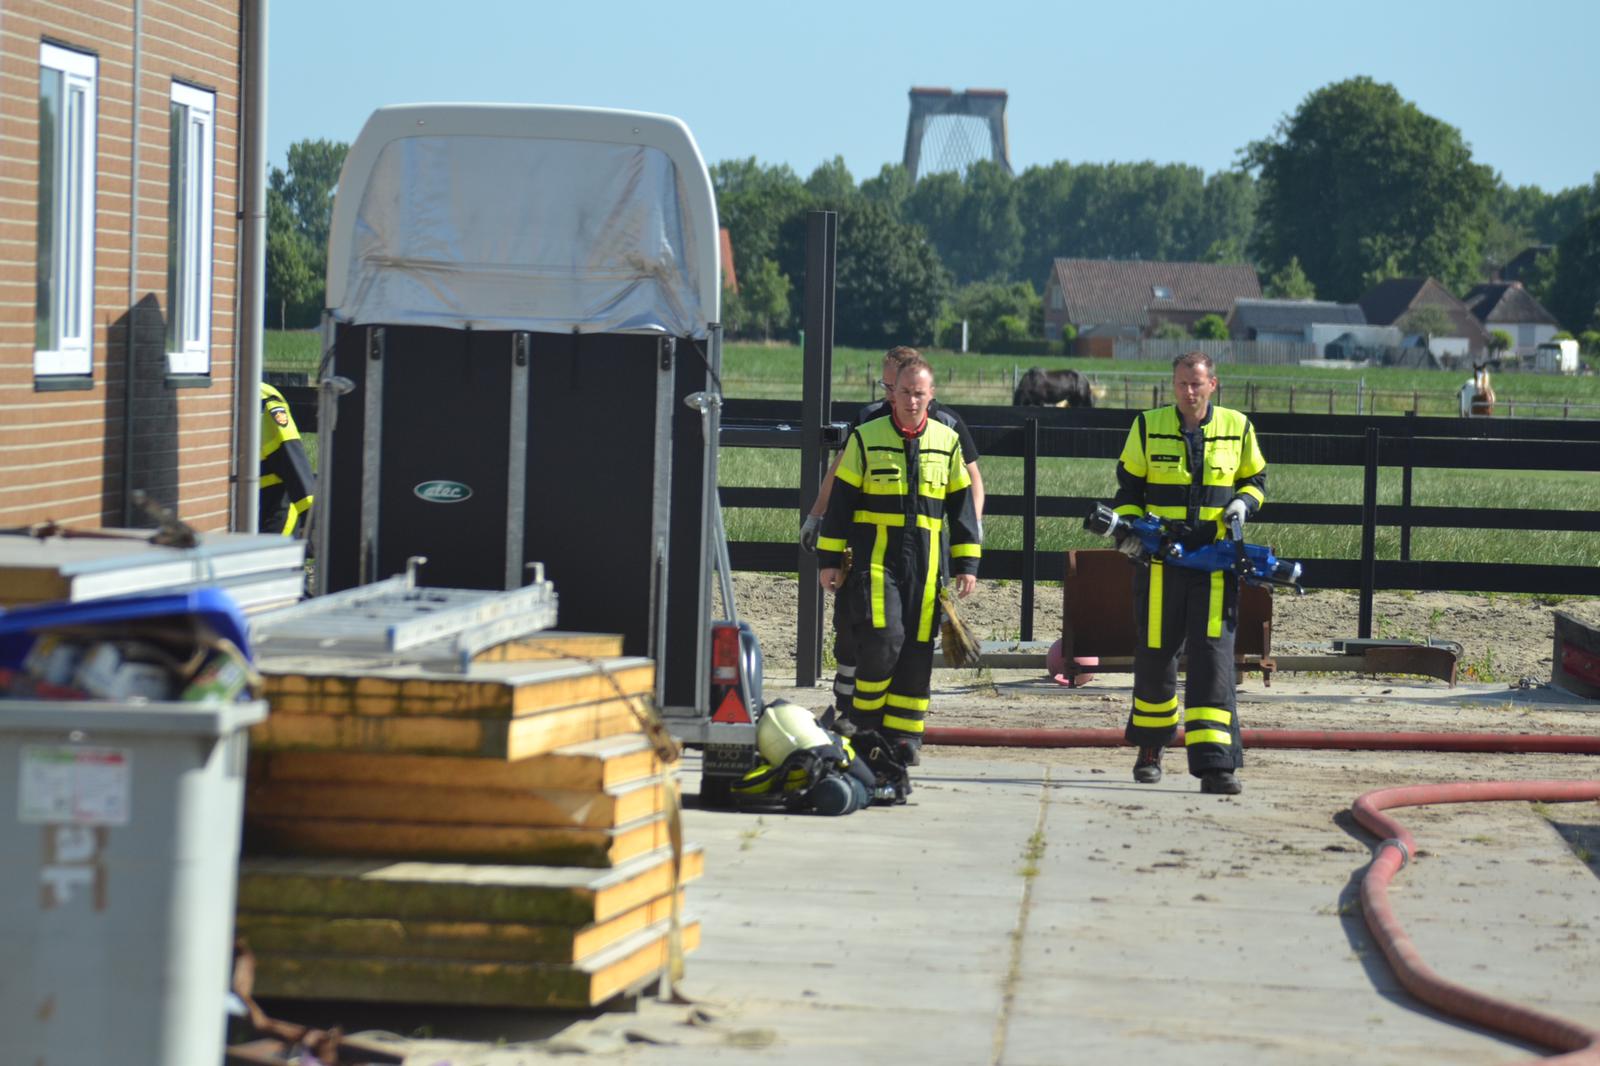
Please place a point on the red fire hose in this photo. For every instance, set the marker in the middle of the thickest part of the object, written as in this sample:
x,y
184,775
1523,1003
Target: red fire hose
x,y
1580,1043
1515,743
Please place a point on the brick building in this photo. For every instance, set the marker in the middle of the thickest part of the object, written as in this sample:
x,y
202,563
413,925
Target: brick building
x,y
120,237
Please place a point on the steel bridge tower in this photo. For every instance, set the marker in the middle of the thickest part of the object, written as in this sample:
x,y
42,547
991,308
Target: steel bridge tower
x,y
948,130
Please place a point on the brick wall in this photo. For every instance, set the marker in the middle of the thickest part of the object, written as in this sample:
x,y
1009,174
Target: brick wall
x,y
64,454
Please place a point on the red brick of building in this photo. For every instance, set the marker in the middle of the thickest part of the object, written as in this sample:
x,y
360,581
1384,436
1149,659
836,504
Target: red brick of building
x,y
73,440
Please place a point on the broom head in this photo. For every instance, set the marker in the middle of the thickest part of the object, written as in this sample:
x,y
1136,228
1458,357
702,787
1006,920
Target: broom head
x,y
960,646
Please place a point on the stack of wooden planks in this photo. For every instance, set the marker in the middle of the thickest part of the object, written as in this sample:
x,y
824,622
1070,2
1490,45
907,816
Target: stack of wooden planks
x,y
498,835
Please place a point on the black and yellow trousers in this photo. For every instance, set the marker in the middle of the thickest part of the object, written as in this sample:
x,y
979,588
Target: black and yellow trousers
x,y
1177,609
887,629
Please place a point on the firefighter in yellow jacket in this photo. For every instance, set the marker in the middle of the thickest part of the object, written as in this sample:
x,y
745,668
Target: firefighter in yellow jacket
x,y
287,483
1195,465
902,481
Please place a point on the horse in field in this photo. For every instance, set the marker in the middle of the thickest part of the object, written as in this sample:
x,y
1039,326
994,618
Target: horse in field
x,y
1053,388
1477,395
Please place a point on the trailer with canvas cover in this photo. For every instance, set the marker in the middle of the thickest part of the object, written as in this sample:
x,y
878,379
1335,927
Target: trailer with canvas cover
x,y
521,365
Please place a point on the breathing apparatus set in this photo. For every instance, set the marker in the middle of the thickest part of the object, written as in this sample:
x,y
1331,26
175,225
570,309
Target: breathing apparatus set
x,y
806,767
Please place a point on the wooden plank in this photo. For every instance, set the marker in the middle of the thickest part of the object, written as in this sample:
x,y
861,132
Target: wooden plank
x,y
293,934
455,804
553,644
589,765
485,984
329,686
455,843
517,738
428,891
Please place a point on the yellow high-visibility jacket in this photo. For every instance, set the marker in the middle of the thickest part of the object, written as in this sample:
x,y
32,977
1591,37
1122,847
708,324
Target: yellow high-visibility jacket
x,y
893,498
288,485
1155,475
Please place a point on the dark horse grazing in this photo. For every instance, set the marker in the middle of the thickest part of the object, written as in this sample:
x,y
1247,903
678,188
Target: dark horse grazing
x,y
1052,388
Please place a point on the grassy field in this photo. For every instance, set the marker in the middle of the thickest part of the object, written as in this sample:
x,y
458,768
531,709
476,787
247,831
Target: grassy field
x,y
773,371
1297,484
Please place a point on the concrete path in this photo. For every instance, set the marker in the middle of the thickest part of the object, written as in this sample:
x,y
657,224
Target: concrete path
x,y
1036,912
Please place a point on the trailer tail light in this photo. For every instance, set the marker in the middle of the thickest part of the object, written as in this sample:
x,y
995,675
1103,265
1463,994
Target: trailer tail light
x,y
724,654
735,672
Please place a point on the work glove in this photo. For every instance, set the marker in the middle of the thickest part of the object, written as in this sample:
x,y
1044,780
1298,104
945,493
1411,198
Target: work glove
x,y
1128,543
1236,513
810,529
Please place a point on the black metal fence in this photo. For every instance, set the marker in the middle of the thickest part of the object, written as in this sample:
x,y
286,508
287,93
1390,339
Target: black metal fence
x,y
1369,442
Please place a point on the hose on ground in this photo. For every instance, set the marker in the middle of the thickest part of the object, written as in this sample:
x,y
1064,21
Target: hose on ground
x,y
1579,1043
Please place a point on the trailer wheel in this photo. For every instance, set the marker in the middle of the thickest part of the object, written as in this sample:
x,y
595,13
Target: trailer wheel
x,y
716,792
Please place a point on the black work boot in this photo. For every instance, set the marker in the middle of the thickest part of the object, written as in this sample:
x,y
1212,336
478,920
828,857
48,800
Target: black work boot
x,y
1220,783
908,752
1147,768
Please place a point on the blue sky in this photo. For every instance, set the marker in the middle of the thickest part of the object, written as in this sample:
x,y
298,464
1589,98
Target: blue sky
x,y
1162,80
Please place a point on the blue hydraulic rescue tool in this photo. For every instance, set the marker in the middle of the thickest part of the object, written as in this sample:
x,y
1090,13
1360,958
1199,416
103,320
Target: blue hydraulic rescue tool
x,y
1149,538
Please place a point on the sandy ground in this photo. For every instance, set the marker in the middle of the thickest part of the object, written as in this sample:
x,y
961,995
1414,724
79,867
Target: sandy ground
x,y
1503,638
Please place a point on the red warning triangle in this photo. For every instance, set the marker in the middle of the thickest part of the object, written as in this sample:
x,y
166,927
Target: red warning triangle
x,y
732,709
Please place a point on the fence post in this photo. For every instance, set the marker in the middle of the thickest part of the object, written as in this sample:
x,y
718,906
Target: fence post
x,y
1405,492
1416,400
822,239
1330,401
1291,399
1369,535
1030,518
1361,384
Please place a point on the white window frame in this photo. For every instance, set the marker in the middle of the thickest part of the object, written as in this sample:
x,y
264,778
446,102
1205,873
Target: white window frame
x,y
70,347
189,307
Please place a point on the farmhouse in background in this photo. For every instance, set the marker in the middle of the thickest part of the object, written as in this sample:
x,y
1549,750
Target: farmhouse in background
x,y
1388,302
1520,266
1509,307
120,198
1107,299
1293,321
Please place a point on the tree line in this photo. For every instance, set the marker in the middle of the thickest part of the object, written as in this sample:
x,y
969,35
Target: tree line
x,y
1357,185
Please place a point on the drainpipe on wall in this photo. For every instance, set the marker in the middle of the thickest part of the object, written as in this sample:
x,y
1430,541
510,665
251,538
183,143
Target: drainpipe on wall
x,y
133,271
252,265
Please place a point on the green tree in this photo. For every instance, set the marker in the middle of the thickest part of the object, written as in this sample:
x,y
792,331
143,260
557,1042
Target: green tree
x,y
1499,341
1575,292
294,278
1289,282
1170,331
754,202
1359,179
1589,341
830,185
299,216
889,283
761,306
890,188
996,314
972,220
1212,327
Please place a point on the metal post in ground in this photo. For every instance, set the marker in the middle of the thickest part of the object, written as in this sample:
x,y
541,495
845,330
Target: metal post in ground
x,y
822,236
1369,535
1030,518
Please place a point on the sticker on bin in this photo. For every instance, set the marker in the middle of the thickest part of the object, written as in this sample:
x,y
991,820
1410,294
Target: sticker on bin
x,y
62,784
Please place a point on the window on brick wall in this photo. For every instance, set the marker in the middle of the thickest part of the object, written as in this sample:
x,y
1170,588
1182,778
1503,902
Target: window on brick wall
x,y
64,310
189,210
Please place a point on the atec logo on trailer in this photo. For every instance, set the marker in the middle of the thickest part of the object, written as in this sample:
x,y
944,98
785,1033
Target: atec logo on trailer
x,y
443,491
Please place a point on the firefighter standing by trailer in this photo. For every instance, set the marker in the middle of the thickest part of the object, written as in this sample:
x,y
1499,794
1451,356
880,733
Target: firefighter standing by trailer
x,y
287,482
901,480
1196,465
